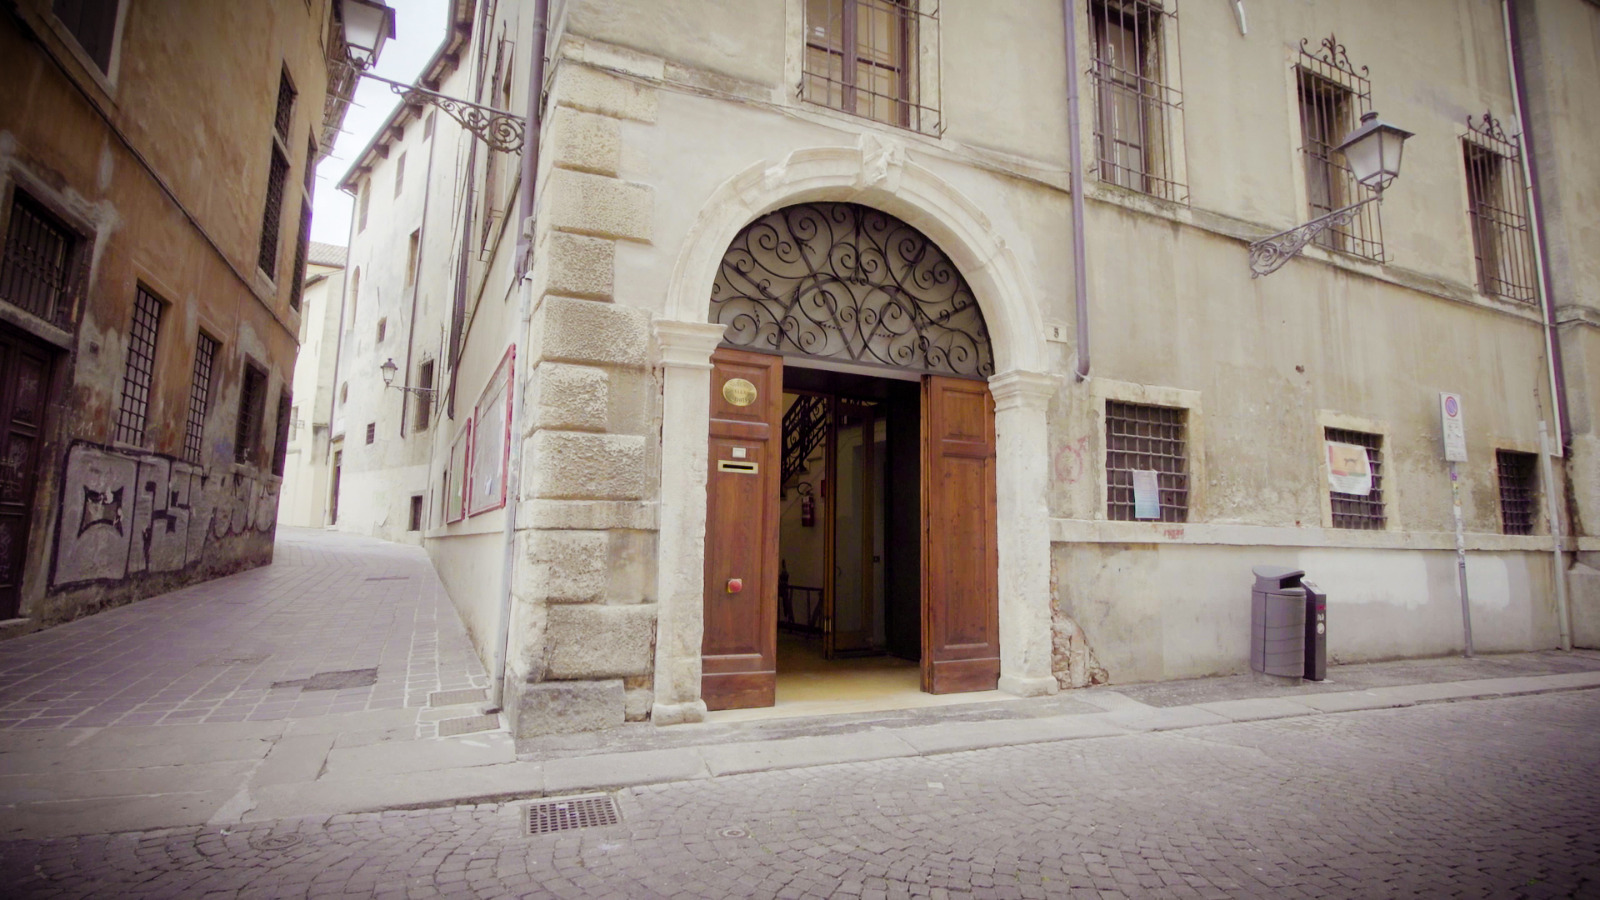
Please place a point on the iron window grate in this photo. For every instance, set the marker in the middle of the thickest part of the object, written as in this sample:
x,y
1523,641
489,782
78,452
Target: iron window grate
x,y
568,813
284,115
302,245
272,213
861,57
1146,438
205,354
252,399
140,367
1136,111
280,445
1518,486
1501,244
35,272
1353,510
372,432
1333,95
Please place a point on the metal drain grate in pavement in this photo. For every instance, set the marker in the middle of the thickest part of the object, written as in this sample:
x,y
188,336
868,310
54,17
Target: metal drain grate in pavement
x,y
468,725
388,578
455,698
568,813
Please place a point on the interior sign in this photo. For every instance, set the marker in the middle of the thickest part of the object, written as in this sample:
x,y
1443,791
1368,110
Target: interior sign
x,y
1349,469
1451,426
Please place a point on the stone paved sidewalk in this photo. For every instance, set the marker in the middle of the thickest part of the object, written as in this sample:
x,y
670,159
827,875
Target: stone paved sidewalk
x,y
247,648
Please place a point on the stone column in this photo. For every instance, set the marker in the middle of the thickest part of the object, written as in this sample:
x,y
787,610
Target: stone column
x,y
1021,399
685,349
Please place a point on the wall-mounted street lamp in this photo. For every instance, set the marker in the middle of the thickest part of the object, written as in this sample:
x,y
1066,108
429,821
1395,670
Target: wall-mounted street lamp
x,y
389,369
1373,152
368,23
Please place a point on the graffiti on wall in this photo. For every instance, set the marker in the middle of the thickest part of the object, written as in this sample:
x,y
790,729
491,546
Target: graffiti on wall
x,y
125,512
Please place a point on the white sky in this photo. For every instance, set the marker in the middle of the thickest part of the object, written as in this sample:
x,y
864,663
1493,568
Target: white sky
x,y
419,27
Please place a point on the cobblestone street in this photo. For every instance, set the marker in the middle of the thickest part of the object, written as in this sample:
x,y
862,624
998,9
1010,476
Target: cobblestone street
x,y
1484,798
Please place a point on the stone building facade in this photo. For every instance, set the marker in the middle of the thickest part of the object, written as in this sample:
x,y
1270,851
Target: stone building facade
x,y
1091,419
304,495
155,162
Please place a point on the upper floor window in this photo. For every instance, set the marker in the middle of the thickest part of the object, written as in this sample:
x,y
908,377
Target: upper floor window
x,y
93,24
1501,243
277,176
139,368
862,56
1333,95
1137,112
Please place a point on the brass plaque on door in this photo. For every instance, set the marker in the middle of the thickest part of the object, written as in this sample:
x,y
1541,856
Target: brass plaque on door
x,y
739,392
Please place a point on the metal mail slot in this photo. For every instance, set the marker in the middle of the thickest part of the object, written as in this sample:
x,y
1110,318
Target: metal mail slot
x,y
744,468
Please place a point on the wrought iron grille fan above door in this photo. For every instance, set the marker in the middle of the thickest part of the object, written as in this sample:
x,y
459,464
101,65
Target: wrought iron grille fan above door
x,y
847,282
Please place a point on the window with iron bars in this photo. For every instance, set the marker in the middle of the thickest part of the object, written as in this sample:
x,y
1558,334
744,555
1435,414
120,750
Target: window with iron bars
x,y
1137,111
1333,95
372,432
37,270
272,212
862,57
283,117
301,247
205,356
1518,486
1496,204
1149,439
252,406
280,444
139,370
1354,510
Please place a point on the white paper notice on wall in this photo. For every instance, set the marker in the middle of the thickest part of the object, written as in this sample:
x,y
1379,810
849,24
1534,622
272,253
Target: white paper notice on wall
x,y
1453,429
1349,469
1146,494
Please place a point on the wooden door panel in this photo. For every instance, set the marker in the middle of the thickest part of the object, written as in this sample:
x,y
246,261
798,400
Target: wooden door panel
x,y
24,384
960,590
739,647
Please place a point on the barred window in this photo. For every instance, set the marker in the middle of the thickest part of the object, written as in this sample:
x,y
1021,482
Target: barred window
x,y
1333,95
272,212
1518,486
140,367
205,356
36,270
1496,205
252,403
1146,442
1137,111
1354,510
284,116
861,56
311,167
302,245
372,432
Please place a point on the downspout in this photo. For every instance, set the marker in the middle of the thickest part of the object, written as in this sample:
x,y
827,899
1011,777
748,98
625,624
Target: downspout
x,y
338,345
1552,339
524,264
1080,277
416,283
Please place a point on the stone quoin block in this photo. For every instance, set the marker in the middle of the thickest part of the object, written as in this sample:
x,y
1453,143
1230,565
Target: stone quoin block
x,y
566,566
579,265
565,397
600,641
570,464
566,707
589,90
595,204
583,331
584,141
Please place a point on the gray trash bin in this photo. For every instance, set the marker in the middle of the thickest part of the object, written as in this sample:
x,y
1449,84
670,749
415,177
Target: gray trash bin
x,y
1278,622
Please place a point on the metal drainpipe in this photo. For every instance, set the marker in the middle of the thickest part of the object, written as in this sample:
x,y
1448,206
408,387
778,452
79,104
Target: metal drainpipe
x,y
1080,277
524,263
1552,338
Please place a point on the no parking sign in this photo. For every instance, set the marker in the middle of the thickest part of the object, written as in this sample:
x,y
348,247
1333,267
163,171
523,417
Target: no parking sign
x,y
1455,433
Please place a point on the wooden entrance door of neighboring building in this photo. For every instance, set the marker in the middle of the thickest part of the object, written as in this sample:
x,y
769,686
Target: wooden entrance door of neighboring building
x,y
24,389
739,651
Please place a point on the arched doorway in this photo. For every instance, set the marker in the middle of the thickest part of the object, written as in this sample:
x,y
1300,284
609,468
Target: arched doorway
x,y
851,377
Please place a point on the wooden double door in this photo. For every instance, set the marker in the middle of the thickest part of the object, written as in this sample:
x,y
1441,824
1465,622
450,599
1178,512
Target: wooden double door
x,y
24,391
959,597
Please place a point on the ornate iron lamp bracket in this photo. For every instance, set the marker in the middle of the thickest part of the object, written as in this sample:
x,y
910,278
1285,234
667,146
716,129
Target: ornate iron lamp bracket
x,y
1270,253
501,130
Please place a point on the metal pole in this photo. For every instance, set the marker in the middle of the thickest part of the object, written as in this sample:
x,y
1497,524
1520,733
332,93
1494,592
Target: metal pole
x,y
1461,557
1559,573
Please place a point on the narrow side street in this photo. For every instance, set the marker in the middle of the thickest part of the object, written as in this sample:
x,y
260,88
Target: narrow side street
x,y
1484,798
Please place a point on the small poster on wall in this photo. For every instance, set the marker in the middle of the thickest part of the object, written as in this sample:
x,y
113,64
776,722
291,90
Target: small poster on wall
x,y
456,494
1349,469
1146,494
486,484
